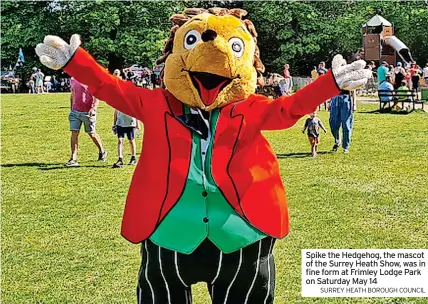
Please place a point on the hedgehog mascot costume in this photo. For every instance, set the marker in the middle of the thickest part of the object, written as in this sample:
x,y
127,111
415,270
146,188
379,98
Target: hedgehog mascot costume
x,y
206,200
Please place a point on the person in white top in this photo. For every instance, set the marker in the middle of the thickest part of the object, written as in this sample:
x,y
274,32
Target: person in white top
x,y
125,124
425,74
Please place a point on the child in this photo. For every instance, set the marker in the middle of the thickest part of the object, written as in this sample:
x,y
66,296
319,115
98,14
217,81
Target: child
x,y
314,73
313,124
403,90
124,124
39,76
408,79
31,86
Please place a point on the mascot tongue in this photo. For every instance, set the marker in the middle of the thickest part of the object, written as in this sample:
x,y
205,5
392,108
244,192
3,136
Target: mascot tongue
x,y
209,95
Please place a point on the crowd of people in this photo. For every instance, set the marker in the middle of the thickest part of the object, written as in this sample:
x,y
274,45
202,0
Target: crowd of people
x,y
277,85
9,82
397,80
398,84
144,79
410,75
38,83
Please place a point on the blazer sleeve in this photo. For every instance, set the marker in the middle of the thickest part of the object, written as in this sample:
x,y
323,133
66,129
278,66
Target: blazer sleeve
x,y
285,111
122,95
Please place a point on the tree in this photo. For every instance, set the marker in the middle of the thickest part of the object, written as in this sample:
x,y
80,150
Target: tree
x,y
115,33
305,33
121,33
23,25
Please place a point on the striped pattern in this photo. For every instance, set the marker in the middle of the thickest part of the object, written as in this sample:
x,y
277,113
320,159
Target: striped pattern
x,y
245,276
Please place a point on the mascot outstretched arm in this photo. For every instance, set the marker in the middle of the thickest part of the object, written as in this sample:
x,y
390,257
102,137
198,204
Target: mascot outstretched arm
x,y
206,200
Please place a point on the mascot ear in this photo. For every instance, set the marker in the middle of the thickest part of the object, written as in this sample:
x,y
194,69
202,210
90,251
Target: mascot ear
x,y
250,27
238,13
179,19
260,68
218,11
258,65
161,74
260,80
169,43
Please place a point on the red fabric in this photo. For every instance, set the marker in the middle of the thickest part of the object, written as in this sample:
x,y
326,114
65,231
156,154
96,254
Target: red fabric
x,y
413,71
245,167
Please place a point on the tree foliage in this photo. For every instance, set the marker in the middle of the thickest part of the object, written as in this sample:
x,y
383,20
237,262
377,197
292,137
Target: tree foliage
x,y
121,33
306,33
117,33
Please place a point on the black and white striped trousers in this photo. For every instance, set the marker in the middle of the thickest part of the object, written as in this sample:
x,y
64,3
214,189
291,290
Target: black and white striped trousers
x,y
246,276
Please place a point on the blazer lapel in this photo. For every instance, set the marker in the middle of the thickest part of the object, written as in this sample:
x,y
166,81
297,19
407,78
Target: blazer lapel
x,y
226,139
179,141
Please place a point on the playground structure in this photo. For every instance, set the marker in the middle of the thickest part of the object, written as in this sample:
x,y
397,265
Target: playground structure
x,y
380,44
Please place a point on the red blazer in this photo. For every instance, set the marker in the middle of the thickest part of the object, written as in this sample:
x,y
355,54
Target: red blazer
x,y
244,166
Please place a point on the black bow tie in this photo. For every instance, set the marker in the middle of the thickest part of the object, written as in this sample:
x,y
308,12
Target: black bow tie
x,y
197,122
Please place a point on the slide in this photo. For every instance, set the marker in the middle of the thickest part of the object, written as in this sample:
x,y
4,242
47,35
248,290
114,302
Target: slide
x,y
399,47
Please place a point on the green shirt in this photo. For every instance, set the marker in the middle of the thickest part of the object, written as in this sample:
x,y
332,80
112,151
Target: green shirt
x,y
382,71
403,89
202,211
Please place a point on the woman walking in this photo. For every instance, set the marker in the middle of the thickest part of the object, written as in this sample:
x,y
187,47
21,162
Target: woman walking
x,y
288,81
415,74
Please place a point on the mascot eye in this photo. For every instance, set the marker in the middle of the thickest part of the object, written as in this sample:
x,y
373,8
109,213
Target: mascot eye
x,y
237,46
191,39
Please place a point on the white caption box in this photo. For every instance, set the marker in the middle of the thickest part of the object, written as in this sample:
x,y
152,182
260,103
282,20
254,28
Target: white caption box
x,y
364,273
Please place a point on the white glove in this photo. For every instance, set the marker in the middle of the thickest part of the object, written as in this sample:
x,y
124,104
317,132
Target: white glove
x,y
55,52
349,76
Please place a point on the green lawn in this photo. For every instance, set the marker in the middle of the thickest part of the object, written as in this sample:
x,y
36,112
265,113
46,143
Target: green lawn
x,y
61,239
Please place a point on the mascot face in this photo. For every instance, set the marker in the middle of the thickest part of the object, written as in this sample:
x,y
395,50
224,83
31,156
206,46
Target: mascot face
x,y
212,62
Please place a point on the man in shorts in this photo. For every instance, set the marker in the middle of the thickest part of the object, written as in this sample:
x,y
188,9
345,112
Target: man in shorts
x,y
83,108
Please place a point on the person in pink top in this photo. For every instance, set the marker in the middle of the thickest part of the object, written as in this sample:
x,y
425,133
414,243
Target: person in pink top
x,y
83,109
288,81
415,75
287,71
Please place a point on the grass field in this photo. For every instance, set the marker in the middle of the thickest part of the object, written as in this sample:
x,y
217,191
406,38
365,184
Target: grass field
x,y
61,238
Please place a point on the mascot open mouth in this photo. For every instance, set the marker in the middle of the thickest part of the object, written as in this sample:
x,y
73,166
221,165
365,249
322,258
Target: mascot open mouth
x,y
208,85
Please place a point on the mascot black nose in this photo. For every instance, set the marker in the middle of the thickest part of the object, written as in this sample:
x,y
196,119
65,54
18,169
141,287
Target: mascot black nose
x,y
208,35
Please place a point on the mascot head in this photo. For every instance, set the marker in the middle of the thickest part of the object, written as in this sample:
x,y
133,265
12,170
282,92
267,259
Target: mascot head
x,y
211,57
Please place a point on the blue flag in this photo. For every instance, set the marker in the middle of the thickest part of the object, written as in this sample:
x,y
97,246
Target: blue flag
x,y
21,56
